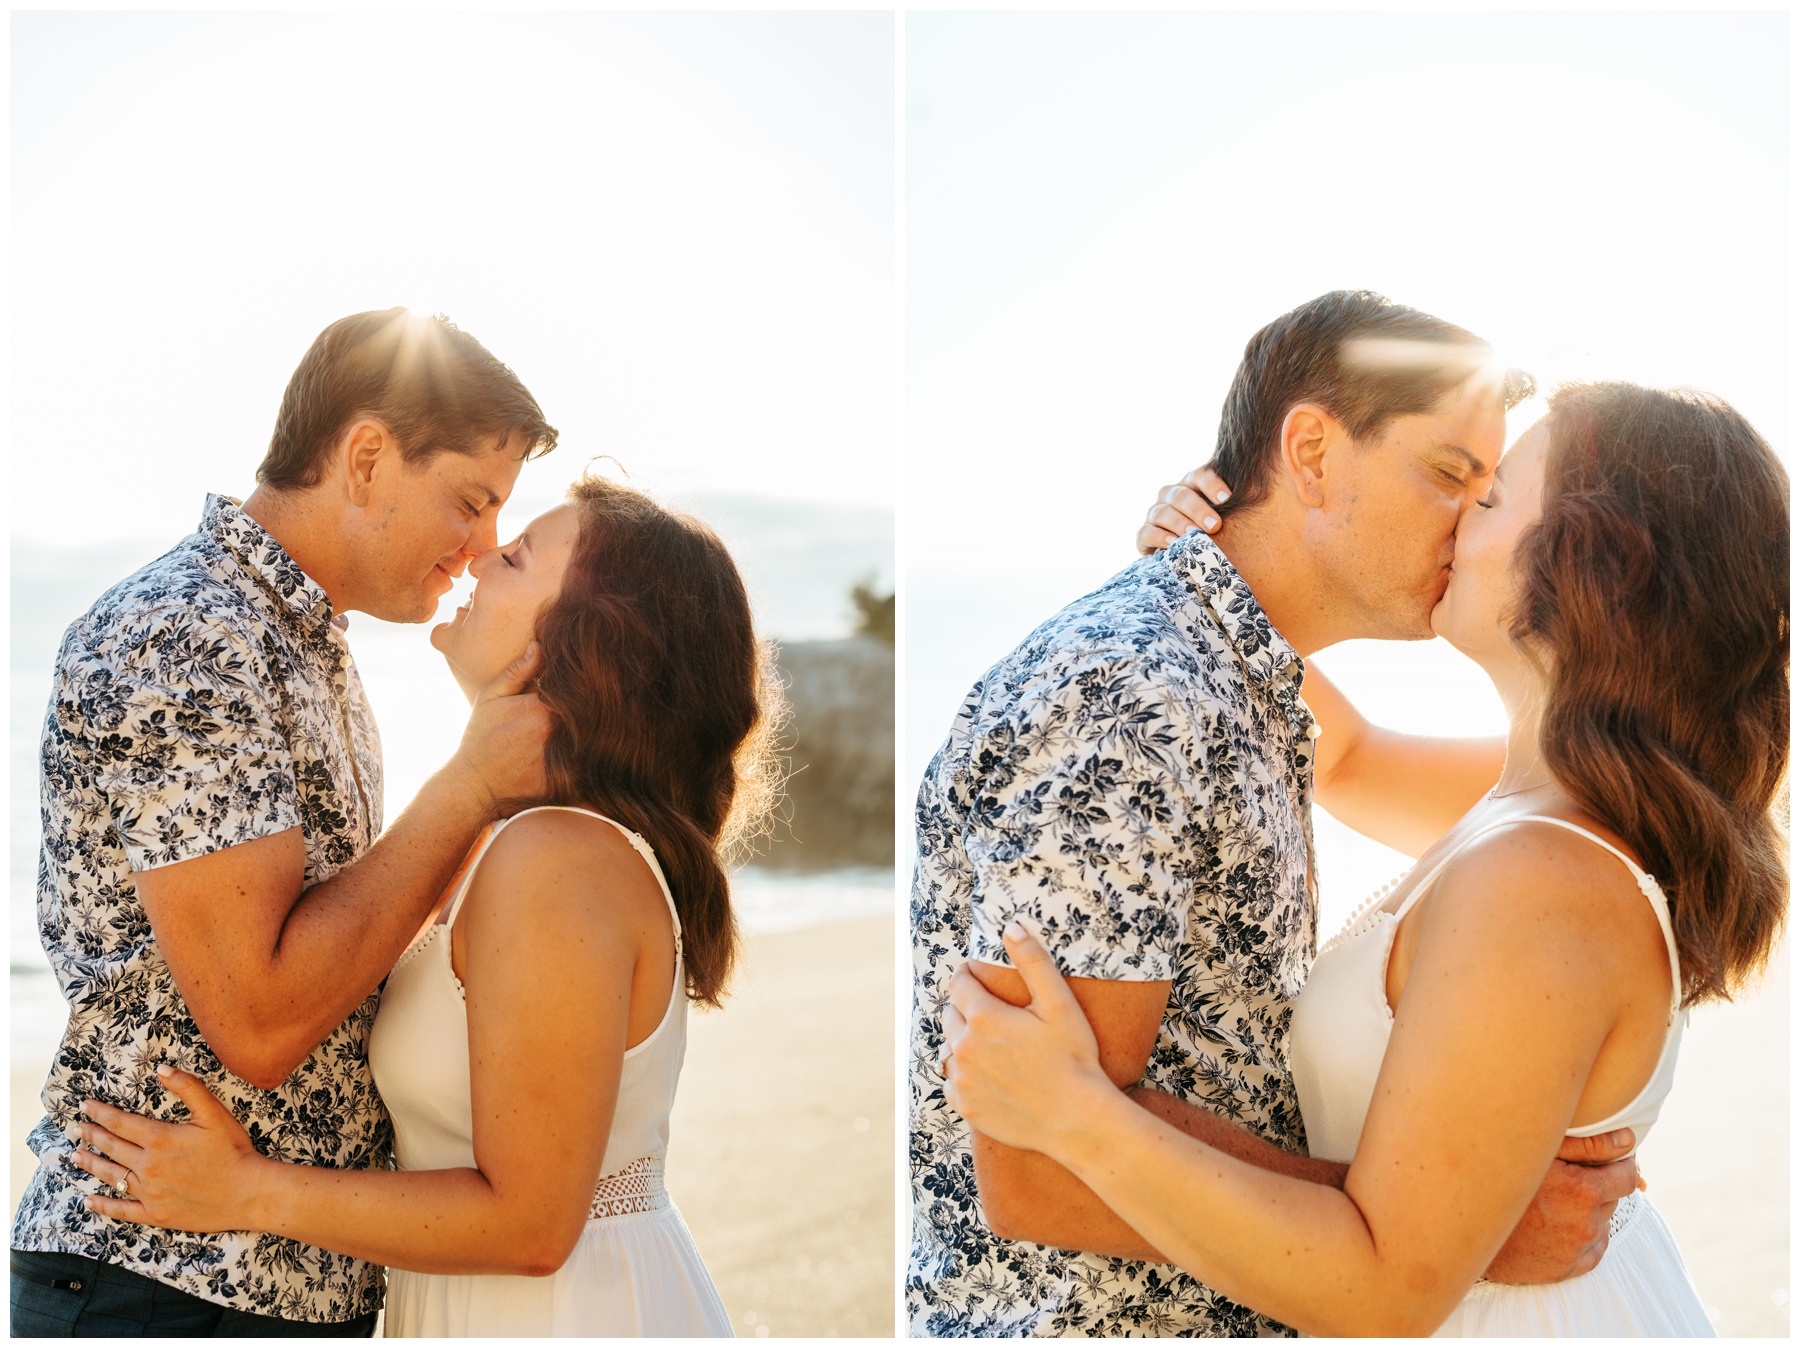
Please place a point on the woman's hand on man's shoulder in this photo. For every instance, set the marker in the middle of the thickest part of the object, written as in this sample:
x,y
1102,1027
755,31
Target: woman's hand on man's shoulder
x,y
1182,507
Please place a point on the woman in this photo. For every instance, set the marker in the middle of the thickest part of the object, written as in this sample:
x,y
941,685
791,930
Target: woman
x,y
1624,583
528,1044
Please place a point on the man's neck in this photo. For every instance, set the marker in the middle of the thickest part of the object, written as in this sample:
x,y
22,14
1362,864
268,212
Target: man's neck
x,y
295,520
1278,570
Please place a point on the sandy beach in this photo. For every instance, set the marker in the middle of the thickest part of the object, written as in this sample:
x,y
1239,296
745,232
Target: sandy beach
x,y
782,1151
781,1154
782,1145
1717,1164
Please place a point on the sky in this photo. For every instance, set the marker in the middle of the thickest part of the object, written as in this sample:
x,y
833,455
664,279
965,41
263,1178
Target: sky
x,y
681,230
678,229
1101,209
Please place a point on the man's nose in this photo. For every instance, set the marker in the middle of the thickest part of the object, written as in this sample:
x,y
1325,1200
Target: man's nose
x,y
484,538
480,560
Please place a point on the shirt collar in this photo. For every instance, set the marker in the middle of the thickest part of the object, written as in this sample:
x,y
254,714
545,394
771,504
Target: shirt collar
x,y
257,551
1215,582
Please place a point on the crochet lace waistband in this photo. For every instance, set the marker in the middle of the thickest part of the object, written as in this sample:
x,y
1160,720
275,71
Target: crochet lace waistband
x,y
1623,1214
634,1188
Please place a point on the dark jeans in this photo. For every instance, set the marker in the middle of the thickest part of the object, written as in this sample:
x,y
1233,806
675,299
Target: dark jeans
x,y
69,1295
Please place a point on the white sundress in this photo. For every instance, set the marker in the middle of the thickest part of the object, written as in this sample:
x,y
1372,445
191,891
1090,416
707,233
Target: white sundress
x,y
635,1270
1336,1041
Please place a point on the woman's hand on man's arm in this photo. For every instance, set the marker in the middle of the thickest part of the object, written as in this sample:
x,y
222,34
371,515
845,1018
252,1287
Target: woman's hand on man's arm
x,y
1030,1074
1025,1195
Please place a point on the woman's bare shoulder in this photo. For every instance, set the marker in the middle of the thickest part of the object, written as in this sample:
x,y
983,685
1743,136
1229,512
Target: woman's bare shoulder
x,y
567,864
1537,886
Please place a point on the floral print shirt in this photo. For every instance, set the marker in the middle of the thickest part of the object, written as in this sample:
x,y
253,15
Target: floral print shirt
x,y
1135,783
206,701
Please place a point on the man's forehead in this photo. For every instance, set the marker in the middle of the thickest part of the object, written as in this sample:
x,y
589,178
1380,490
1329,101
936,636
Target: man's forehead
x,y
489,472
1480,397
1472,419
1458,441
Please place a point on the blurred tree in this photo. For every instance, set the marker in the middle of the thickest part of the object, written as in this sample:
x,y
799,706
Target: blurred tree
x,y
874,611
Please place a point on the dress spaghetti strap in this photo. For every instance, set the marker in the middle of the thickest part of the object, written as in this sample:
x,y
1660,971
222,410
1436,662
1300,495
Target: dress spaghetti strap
x,y
1646,883
638,845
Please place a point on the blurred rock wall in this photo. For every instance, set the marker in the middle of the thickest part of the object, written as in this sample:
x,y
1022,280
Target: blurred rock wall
x,y
839,805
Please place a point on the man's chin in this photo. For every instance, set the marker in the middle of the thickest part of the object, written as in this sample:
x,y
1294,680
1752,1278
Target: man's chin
x,y
1412,623
423,606
417,608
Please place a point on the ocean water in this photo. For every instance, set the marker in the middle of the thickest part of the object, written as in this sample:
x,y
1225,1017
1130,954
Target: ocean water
x,y
799,561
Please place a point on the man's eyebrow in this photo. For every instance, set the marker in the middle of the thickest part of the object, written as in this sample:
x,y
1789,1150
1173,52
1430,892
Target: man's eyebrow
x,y
1477,465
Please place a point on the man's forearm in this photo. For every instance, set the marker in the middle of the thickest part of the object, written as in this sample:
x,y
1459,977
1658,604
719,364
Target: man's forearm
x,y
1236,1140
1028,1196
342,936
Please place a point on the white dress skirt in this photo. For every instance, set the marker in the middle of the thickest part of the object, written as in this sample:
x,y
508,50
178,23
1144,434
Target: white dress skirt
x,y
635,1271
1336,1041
1641,1289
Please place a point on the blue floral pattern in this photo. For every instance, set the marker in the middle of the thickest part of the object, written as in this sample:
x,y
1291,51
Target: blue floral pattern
x,y
206,701
1135,783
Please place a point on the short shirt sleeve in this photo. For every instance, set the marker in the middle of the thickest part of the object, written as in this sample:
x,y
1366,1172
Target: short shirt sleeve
x,y
1082,825
185,737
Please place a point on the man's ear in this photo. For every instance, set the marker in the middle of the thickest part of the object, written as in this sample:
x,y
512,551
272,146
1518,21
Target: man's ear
x,y
1308,431
362,451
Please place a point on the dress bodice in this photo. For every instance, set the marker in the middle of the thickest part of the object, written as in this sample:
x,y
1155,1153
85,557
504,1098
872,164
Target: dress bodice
x,y
634,1271
419,1050
1341,1021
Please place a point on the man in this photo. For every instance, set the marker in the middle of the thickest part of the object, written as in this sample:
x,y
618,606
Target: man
x,y
1135,781
212,892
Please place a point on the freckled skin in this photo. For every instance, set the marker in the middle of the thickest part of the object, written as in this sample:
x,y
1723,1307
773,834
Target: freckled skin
x,y
1389,523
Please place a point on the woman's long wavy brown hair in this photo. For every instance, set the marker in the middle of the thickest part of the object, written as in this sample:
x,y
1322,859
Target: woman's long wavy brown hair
x,y
1655,591
664,704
